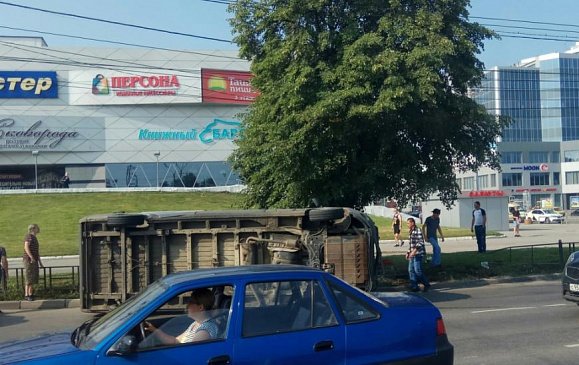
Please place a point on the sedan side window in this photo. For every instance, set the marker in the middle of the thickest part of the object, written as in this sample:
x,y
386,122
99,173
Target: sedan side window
x,y
193,316
353,309
273,307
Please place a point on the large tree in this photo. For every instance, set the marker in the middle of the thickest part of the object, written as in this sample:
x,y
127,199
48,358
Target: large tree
x,y
360,100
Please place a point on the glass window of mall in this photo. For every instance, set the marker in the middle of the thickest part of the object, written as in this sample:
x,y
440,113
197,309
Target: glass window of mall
x,y
538,157
539,178
511,157
512,179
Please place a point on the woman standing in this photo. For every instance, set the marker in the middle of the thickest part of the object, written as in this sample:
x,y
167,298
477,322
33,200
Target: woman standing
x,y
396,222
32,261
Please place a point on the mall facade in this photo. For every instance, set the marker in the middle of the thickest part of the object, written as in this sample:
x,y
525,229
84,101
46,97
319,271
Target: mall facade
x,y
118,117
540,149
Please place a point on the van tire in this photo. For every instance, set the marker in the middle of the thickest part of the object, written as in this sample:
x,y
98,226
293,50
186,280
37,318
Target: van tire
x,y
121,219
325,214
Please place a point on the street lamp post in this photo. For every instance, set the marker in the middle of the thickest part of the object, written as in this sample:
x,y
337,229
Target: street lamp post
x,y
157,155
35,154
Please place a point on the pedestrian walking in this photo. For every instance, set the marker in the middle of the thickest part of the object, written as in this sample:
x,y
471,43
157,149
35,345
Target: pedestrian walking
x,y
396,223
414,255
65,181
517,222
32,261
429,230
479,226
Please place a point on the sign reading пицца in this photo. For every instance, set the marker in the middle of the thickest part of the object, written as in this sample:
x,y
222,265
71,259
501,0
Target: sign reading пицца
x,y
227,87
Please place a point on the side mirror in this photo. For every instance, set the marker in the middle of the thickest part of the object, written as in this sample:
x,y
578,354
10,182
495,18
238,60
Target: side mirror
x,y
126,345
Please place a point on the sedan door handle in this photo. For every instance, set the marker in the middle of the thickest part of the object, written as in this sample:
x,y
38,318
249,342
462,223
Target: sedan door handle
x,y
219,360
324,346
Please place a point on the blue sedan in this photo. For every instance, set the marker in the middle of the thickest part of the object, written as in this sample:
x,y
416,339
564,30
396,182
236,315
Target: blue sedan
x,y
259,314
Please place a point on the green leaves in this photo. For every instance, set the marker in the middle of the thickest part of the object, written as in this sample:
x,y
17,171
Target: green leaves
x,y
360,100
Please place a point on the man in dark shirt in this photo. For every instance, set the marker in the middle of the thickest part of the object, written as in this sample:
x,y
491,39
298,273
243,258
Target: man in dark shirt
x,y
414,256
429,229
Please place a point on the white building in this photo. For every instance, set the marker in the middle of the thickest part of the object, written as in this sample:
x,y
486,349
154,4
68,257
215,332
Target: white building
x,y
118,117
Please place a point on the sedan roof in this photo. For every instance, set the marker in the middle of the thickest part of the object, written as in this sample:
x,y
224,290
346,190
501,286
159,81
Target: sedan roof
x,y
219,272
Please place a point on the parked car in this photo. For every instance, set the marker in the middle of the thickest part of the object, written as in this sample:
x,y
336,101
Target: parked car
x,y
559,211
274,314
413,213
574,213
570,278
545,216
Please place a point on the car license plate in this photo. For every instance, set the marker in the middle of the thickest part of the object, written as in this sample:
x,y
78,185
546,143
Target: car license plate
x,y
574,287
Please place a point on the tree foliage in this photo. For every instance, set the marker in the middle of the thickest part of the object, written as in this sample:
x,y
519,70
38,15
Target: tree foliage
x,y
360,100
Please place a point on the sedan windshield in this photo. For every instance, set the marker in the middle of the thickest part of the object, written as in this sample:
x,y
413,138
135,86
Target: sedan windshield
x,y
108,323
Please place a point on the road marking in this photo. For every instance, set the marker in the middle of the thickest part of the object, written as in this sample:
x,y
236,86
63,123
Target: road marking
x,y
502,310
555,305
571,346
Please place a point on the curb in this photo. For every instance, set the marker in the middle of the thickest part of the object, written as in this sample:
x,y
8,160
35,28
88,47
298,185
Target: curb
x,y
40,304
452,284
454,238
457,284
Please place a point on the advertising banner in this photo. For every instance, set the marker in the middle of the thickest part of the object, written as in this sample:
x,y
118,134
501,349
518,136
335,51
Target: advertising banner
x,y
227,87
62,134
207,133
574,202
106,87
28,85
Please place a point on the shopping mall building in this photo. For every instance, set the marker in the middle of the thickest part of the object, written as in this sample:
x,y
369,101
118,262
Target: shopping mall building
x,y
540,149
118,117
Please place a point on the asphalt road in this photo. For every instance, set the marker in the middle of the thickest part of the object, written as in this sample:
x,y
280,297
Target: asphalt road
x,y
515,323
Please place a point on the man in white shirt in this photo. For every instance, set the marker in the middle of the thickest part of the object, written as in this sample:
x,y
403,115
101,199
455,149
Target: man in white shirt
x,y
478,226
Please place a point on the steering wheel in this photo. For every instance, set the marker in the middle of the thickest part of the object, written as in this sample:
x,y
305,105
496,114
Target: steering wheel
x,y
142,328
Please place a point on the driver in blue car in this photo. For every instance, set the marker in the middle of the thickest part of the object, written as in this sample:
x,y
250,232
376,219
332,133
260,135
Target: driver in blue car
x,y
203,328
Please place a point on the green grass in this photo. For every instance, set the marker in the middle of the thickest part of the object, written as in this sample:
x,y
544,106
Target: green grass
x,y
467,265
58,214
385,230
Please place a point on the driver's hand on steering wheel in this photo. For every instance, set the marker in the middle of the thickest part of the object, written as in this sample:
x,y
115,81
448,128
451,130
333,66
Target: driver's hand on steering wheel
x,y
149,326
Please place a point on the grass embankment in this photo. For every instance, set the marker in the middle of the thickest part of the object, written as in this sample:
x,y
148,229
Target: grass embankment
x,y
472,265
58,215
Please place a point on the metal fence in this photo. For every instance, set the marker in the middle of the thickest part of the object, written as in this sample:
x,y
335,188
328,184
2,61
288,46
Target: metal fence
x,y
49,275
564,249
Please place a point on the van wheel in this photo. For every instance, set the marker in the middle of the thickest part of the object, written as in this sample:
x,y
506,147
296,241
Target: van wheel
x,y
325,214
121,219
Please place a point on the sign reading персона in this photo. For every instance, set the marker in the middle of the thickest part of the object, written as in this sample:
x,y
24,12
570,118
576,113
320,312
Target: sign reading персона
x,y
28,85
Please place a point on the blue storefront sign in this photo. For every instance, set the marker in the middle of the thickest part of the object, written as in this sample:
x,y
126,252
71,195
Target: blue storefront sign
x,y
28,85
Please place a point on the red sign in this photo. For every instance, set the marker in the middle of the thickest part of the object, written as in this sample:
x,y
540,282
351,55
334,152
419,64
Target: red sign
x,y
535,190
227,87
486,193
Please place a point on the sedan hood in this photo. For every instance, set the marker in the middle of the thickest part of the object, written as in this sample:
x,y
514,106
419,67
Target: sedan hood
x,y
36,348
402,300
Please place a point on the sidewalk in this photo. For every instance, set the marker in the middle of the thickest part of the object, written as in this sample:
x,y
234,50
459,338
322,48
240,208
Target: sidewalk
x,y
531,234
40,304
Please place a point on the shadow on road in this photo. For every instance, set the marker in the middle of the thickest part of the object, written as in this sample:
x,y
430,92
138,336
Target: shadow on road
x,y
444,296
7,319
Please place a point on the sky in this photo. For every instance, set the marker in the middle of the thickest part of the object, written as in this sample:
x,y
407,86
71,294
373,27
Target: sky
x,y
209,19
